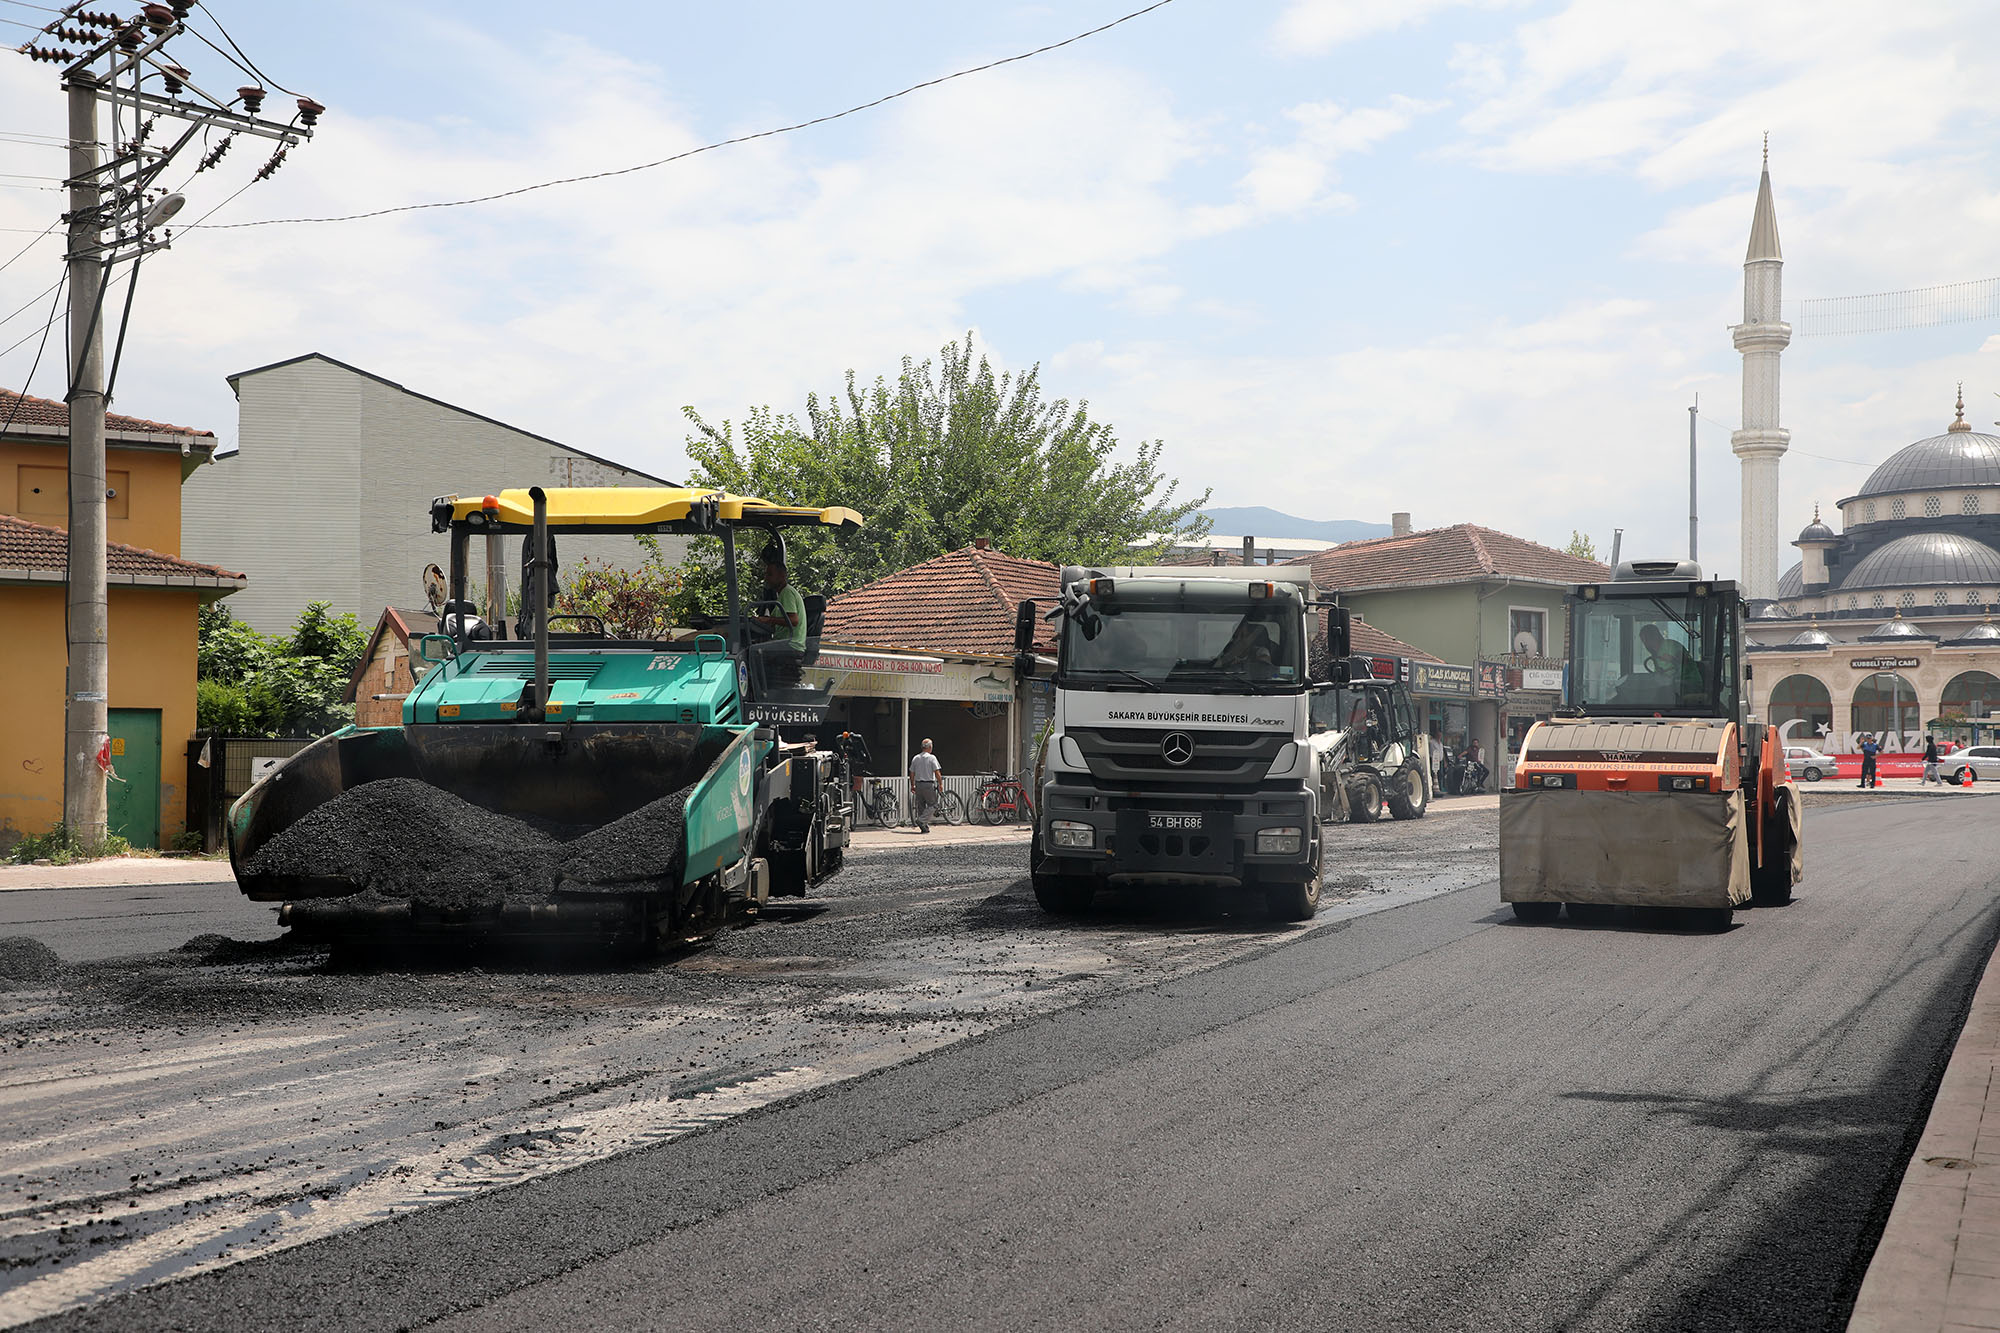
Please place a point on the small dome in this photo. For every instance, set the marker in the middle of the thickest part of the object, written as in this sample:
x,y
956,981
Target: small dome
x,y
1898,628
1985,632
1956,458
1770,611
1817,531
1814,637
1793,582
1926,557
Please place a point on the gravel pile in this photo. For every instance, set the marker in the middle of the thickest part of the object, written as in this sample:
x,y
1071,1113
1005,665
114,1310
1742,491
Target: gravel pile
x,y
27,962
403,840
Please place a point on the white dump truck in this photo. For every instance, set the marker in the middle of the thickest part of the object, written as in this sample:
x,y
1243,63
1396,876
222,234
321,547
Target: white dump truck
x,y
1181,747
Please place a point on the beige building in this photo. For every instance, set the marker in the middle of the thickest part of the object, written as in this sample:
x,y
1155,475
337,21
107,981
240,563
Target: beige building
x,y
327,497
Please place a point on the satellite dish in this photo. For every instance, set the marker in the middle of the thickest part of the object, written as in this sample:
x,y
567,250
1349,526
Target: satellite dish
x,y
434,588
1524,644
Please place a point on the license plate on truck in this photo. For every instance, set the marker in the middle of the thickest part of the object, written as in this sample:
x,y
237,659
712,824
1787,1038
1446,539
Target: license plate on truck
x,y
1185,823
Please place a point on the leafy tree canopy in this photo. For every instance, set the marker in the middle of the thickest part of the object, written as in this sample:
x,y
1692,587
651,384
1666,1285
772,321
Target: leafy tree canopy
x,y
275,685
947,453
1581,546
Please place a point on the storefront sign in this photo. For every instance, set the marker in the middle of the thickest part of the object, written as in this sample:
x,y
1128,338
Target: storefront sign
x,y
1492,678
1882,663
1436,680
895,666
1542,678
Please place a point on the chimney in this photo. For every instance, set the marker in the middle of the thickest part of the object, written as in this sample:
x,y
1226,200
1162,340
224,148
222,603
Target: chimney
x,y
1399,525
1249,550
982,544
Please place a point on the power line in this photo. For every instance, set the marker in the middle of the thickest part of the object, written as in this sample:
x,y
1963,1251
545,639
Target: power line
x,y
247,61
1712,424
711,147
29,383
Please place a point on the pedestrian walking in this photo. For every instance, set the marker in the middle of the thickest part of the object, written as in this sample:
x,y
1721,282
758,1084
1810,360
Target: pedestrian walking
x,y
1930,759
1869,749
926,778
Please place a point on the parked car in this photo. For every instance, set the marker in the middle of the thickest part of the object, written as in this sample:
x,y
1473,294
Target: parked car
x,y
1981,761
1810,765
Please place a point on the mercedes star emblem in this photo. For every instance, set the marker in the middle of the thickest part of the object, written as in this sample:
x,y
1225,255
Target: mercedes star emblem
x,y
1177,748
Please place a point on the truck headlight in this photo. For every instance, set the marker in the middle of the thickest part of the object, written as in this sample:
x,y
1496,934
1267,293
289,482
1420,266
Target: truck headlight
x,y
1070,833
1070,754
1286,760
1279,841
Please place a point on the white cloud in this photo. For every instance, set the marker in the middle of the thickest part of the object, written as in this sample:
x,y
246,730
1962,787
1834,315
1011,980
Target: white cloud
x,y
1289,179
1313,26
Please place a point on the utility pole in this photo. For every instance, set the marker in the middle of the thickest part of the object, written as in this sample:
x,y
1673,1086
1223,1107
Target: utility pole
x,y
87,686
1693,507
118,213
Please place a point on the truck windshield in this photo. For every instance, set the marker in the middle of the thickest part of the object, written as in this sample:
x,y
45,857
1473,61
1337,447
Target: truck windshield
x,y
1673,654
1222,647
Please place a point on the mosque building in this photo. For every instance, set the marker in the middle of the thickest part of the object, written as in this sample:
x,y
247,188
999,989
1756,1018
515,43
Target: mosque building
x,y
1886,625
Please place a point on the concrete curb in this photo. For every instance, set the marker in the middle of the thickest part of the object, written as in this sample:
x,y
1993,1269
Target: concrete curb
x,y
1938,1265
113,871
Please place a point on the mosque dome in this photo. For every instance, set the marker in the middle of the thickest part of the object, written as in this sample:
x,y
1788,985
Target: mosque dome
x,y
1793,582
1770,611
1896,628
1927,557
1982,634
1817,531
1961,456
1815,637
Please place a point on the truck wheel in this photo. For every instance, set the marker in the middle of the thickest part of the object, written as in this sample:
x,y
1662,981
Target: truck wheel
x,y
1364,799
1300,901
1538,912
1409,795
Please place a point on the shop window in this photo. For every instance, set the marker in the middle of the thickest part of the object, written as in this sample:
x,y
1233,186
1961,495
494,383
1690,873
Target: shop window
x,y
1897,509
1527,630
1969,503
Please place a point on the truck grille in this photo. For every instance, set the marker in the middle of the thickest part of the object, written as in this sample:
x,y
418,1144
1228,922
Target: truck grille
x,y
1134,754
520,670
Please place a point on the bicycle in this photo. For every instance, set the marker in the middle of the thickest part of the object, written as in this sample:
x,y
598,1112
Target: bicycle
x,y
878,798
1001,799
951,807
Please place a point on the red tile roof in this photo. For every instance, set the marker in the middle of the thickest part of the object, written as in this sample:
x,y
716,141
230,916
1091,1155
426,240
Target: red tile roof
x,y
1462,553
33,411
960,602
36,547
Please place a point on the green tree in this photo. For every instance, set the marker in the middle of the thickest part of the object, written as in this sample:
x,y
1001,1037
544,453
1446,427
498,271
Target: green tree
x,y
1580,546
632,603
254,684
947,453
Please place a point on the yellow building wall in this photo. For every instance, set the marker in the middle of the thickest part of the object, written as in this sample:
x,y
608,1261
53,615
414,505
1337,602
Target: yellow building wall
x,y
145,512
152,666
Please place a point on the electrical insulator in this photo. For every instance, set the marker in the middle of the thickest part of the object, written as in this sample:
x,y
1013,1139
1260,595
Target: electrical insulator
x,y
157,17
90,18
175,79
253,99
74,35
215,154
52,54
180,7
277,160
129,36
310,112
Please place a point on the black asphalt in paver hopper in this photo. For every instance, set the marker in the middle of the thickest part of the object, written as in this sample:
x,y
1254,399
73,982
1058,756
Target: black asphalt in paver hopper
x,y
559,863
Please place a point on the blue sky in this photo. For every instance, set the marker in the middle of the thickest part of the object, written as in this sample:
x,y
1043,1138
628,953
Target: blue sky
x,y
1465,259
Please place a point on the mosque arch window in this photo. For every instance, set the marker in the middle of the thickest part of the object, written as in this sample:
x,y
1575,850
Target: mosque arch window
x,y
1868,512
1875,600
1886,701
1971,694
1933,506
1969,503
1802,699
1897,509
1940,598
1853,602
1972,598
1907,599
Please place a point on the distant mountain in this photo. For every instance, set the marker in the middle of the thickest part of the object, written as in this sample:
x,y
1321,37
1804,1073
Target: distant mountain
x,y
1257,521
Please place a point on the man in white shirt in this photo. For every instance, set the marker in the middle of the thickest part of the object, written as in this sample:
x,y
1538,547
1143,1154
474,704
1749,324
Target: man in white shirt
x,y
926,779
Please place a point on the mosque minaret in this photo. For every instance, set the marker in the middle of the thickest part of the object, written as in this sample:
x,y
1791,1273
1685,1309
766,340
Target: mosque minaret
x,y
1762,441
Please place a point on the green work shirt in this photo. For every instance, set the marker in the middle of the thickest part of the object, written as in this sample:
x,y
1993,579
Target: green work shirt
x,y
792,605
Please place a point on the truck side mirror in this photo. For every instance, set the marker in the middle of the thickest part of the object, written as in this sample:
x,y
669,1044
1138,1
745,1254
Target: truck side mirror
x,y
1024,626
1339,631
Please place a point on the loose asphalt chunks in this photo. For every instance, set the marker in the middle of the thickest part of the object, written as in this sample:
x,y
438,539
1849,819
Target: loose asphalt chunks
x,y
406,844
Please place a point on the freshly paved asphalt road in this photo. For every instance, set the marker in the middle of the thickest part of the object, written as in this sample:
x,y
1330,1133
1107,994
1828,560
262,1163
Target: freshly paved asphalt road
x,y
106,921
1430,1117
